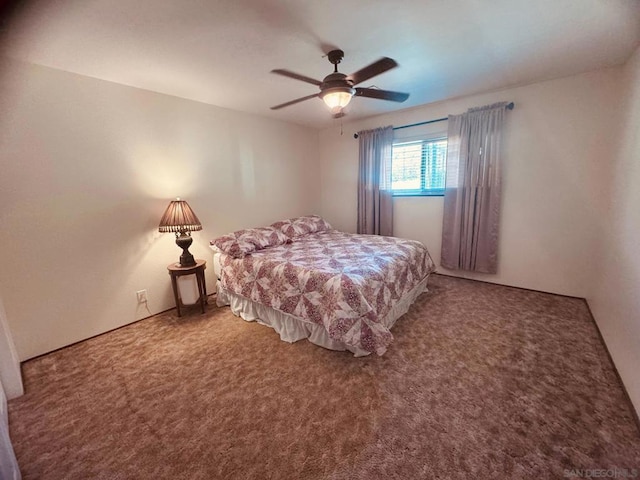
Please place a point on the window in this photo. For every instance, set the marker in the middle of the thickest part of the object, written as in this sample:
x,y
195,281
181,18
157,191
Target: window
x,y
418,168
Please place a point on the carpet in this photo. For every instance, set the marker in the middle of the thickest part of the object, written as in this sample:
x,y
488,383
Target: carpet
x,y
482,381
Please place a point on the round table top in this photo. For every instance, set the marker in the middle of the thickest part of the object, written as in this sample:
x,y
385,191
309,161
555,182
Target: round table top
x,y
175,267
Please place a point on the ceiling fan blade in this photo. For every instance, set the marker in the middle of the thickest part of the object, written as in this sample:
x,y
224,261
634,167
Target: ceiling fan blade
x,y
376,68
292,102
297,76
381,94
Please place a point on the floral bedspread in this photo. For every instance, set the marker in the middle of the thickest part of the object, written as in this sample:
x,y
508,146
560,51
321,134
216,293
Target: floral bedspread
x,y
345,282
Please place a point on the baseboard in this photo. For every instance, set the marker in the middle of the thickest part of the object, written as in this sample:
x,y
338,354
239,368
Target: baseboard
x,y
209,295
634,411
508,286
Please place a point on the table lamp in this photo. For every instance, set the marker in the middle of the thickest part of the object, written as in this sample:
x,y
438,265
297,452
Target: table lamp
x,y
180,219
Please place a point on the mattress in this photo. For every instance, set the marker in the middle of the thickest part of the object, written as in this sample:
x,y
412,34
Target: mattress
x,y
217,268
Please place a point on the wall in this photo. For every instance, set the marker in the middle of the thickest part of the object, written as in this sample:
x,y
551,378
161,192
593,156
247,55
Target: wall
x,y
615,301
556,165
88,168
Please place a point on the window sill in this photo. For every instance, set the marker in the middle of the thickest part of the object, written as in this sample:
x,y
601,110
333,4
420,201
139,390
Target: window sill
x,y
419,193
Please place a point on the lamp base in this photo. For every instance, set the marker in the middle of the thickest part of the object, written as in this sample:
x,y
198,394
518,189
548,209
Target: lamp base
x,y
184,242
187,260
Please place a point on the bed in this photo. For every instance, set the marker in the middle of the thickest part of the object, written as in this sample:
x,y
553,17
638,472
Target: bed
x,y
339,290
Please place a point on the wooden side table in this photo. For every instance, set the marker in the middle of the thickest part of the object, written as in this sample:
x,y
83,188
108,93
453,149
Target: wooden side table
x,y
175,270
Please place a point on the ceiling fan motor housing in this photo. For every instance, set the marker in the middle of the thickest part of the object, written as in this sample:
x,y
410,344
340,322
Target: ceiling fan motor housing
x,y
336,82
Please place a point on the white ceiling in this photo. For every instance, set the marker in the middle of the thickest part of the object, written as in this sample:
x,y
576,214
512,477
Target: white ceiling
x,y
221,52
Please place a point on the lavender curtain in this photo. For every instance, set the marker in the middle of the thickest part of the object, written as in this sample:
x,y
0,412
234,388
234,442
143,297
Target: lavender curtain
x,y
8,464
472,191
375,201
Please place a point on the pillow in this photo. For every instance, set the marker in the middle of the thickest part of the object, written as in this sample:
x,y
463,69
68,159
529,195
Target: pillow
x,y
243,242
296,227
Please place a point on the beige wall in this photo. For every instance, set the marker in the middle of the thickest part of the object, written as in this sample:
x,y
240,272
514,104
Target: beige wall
x,y
557,163
615,301
88,168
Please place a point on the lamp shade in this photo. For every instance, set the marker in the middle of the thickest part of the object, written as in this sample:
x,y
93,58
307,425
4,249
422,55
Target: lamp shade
x,y
337,98
178,218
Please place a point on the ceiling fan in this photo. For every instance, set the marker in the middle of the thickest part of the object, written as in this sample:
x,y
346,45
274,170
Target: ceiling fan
x,y
337,88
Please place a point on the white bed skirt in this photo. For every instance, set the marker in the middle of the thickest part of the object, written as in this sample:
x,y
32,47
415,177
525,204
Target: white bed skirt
x,y
292,328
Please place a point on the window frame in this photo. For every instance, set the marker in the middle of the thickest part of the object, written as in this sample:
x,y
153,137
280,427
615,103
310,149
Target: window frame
x,y
421,192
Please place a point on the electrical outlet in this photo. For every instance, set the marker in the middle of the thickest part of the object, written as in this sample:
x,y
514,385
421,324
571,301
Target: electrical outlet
x,y
142,296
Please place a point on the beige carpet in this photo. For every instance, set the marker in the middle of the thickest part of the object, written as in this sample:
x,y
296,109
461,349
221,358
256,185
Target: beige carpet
x,y
482,381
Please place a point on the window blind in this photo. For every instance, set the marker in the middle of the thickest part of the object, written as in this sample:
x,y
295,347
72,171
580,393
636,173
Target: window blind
x,y
419,167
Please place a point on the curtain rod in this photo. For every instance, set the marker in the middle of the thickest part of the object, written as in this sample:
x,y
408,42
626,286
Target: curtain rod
x,y
509,107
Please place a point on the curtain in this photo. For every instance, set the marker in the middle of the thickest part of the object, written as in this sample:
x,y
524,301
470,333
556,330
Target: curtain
x,y
375,200
8,463
472,190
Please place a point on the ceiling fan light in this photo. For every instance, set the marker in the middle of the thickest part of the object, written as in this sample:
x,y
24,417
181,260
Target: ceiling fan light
x,y
337,99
